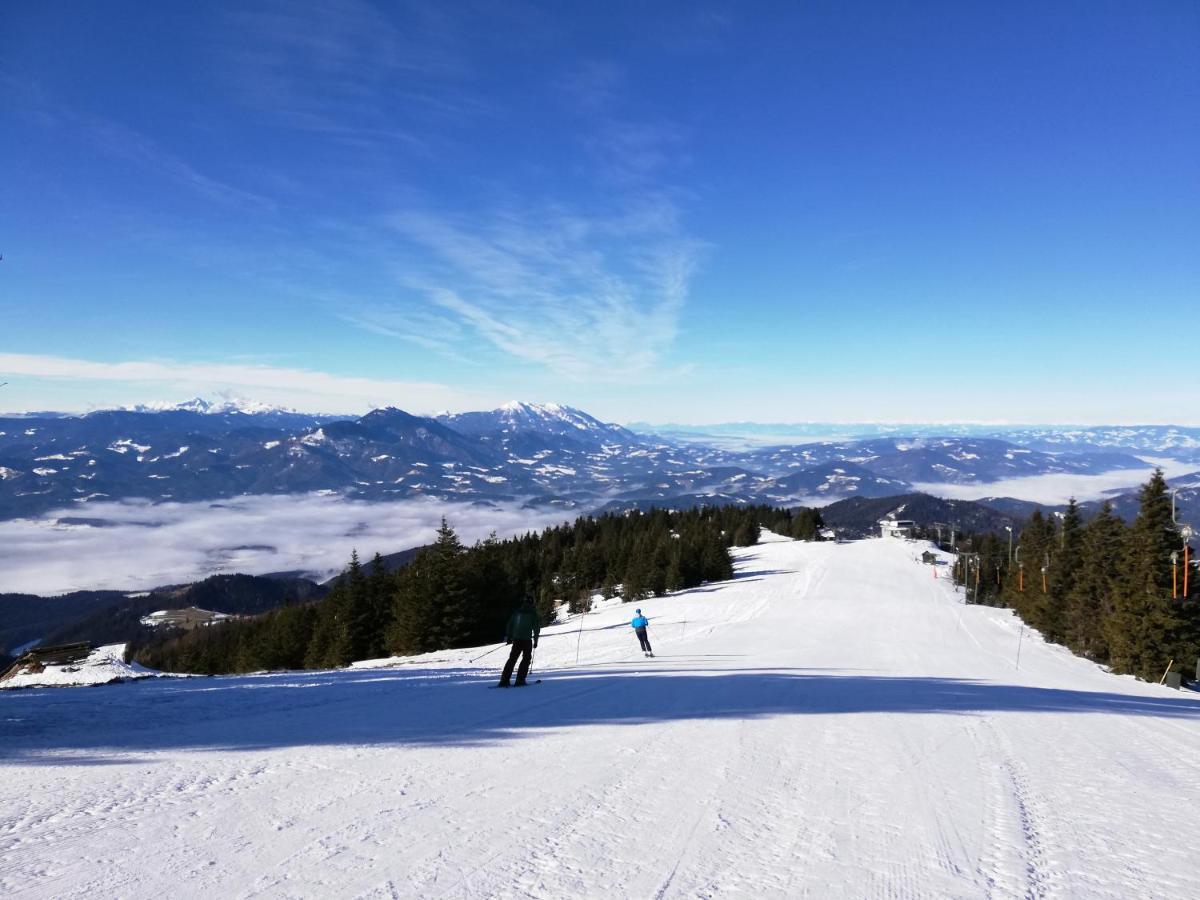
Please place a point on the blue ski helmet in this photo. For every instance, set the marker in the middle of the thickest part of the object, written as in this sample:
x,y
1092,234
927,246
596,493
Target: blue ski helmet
x,y
638,611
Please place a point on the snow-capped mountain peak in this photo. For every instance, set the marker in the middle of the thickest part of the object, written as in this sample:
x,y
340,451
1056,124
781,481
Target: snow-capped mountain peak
x,y
221,406
517,411
547,419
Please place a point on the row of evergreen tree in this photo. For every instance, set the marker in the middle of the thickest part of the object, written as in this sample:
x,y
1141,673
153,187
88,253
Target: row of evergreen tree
x,y
455,596
802,524
1108,590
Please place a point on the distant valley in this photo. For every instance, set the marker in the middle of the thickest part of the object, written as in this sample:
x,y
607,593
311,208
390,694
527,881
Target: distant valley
x,y
132,499
528,454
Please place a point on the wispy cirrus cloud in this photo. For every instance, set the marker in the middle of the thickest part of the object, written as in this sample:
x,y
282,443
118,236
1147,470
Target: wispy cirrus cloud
x,y
592,288
423,329
589,297
303,389
589,280
352,71
117,140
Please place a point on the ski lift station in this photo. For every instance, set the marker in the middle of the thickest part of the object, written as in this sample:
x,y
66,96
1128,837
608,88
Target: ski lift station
x,y
891,527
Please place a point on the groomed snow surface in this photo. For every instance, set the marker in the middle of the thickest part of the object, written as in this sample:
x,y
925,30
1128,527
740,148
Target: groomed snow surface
x,y
833,723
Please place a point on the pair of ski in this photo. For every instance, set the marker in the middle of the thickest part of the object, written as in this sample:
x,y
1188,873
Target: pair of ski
x,y
496,687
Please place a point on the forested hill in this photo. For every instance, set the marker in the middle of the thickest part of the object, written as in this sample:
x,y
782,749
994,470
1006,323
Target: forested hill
x,y
455,596
115,616
859,516
1122,594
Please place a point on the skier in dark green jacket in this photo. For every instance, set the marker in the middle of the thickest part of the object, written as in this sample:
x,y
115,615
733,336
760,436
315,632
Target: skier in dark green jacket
x,y
522,632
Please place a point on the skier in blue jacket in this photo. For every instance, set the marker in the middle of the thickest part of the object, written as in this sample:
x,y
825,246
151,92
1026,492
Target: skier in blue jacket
x,y
639,624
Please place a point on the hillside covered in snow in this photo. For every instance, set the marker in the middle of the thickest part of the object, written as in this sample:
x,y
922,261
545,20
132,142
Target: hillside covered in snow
x,y
539,456
832,722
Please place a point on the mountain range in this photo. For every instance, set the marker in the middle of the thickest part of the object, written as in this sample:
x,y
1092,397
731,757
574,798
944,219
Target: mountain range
x,y
533,454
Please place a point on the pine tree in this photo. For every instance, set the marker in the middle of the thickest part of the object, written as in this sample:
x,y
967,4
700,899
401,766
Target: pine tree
x,y
452,603
360,624
1063,557
1147,628
747,533
379,601
1091,600
660,562
608,589
452,596
432,606
635,583
412,608
1029,594
675,580
807,524
323,647
716,564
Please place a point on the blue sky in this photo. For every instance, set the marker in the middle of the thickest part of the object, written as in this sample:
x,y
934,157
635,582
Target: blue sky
x,y
777,212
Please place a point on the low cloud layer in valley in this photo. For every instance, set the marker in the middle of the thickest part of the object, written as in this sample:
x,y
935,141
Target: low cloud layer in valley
x,y
136,545
139,545
1055,489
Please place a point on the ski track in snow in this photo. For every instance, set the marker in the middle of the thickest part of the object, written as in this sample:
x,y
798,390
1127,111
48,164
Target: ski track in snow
x,y
833,722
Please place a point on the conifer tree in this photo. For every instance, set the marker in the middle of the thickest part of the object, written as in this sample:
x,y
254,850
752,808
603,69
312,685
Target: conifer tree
x,y
660,562
358,633
1091,599
714,559
1061,558
1028,595
608,589
452,596
807,524
452,603
412,630
1147,628
379,601
635,583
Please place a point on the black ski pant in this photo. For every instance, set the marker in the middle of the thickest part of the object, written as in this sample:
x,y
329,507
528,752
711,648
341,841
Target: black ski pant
x,y
643,640
524,649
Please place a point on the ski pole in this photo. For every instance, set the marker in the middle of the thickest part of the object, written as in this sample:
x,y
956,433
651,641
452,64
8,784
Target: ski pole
x,y
493,650
579,638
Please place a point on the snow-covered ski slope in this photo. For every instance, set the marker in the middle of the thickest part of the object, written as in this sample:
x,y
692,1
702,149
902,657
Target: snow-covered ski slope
x,y
830,724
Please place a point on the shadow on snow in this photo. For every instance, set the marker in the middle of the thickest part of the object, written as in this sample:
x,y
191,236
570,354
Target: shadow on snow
x,y
431,707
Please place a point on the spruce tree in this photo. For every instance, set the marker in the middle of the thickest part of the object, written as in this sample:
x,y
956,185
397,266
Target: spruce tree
x,y
359,612
1148,628
608,589
411,630
379,601
635,583
1064,559
716,564
1091,599
1030,596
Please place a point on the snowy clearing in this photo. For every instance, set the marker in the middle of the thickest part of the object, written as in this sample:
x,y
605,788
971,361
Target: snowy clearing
x,y
832,723
102,666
